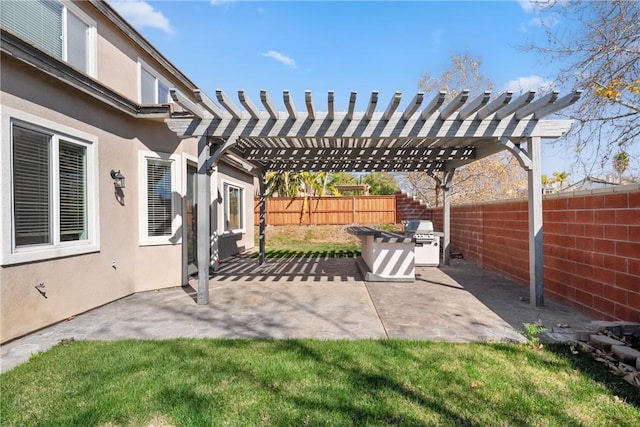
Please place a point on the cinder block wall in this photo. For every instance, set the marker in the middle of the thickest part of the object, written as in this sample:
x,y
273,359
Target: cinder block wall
x,y
591,247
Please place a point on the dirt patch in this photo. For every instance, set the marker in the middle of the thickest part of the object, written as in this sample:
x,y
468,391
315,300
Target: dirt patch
x,y
309,233
287,234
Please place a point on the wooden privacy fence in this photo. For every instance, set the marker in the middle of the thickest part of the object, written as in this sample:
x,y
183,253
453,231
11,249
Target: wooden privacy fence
x,y
328,210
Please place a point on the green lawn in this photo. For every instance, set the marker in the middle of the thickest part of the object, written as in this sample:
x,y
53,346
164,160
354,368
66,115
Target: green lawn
x,y
312,382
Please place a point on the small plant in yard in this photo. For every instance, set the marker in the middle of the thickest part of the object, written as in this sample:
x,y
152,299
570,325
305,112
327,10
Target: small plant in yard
x,y
531,332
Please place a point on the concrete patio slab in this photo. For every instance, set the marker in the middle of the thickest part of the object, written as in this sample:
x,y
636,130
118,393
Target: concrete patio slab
x,y
312,298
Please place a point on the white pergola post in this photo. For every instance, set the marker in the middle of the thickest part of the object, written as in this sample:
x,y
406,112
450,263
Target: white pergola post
x,y
446,211
263,217
534,176
203,199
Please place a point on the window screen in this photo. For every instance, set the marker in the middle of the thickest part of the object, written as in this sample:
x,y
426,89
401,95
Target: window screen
x,y
233,208
31,187
73,191
159,192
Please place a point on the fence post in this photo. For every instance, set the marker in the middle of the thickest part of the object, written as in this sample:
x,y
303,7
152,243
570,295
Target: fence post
x,y
353,209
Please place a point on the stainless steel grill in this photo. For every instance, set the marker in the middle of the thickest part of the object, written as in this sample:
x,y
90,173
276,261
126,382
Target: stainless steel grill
x,y
420,230
427,247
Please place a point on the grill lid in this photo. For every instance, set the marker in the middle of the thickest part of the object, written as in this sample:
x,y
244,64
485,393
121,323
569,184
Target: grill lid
x,y
418,226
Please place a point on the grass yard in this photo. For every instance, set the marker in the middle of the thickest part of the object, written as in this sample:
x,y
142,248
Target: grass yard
x,y
309,382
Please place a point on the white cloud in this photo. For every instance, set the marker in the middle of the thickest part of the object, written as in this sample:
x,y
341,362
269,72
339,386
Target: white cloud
x,y
220,2
524,84
534,6
537,8
281,58
141,14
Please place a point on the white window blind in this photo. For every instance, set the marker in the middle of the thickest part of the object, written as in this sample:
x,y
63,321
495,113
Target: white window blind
x,y
159,195
39,21
31,187
73,191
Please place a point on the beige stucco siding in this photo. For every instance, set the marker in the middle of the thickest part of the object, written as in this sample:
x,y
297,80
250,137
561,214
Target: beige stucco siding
x,y
122,266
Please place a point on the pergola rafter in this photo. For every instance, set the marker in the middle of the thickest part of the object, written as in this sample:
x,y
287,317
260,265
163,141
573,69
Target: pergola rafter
x,y
436,137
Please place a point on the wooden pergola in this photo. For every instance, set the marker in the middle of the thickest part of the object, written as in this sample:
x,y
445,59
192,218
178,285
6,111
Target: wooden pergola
x,y
433,137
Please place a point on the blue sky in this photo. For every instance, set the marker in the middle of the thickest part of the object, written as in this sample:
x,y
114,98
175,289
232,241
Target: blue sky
x,y
342,46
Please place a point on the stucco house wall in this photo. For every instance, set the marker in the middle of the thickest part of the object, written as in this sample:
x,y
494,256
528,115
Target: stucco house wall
x,y
48,289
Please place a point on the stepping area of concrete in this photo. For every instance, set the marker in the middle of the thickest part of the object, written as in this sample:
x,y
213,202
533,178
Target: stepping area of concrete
x,y
314,298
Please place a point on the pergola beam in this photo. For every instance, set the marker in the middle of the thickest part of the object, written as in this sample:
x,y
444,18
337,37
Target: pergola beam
x,y
186,103
413,106
246,102
537,105
494,105
309,103
515,105
330,105
228,104
354,166
474,105
342,126
269,105
392,107
433,106
288,103
352,105
454,105
560,104
397,153
207,103
373,101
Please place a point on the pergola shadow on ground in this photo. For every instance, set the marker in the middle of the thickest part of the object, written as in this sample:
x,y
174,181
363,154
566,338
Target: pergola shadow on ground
x,y
461,302
313,298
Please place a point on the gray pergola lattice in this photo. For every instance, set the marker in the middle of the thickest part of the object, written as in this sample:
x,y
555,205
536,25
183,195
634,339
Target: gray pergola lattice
x,y
436,138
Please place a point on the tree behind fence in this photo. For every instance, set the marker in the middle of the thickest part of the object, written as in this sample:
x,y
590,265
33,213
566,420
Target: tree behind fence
x,y
328,210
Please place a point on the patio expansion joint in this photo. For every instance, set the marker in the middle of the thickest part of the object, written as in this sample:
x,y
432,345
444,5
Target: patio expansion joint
x,y
386,332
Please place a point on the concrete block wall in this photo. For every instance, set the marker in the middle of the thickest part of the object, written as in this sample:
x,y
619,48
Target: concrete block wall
x,y
591,247
409,208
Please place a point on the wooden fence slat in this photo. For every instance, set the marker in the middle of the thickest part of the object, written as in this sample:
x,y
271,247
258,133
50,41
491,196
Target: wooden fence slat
x,y
328,210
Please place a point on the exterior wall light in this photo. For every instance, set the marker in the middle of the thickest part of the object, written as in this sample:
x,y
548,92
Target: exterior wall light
x,y
118,179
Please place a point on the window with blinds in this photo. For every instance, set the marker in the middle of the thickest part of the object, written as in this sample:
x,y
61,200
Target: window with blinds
x,y
38,21
42,22
73,191
159,198
233,208
31,187
49,194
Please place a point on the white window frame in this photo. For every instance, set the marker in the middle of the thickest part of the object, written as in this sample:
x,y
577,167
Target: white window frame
x,y
158,79
9,253
67,7
225,206
92,57
176,199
